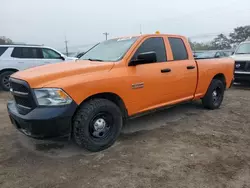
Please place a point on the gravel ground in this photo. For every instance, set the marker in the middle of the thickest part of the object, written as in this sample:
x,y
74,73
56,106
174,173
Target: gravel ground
x,y
185,146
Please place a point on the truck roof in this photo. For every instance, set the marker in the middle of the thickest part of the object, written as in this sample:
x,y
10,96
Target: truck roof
x,y
170,35
145,35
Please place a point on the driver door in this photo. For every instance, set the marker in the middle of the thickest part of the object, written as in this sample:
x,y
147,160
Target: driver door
x,y
147,80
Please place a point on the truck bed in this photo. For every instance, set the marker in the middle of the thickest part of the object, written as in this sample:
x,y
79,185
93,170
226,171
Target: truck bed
x,y
208,68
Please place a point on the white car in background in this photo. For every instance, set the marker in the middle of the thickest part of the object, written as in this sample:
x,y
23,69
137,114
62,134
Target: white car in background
x,y
14,58
242,62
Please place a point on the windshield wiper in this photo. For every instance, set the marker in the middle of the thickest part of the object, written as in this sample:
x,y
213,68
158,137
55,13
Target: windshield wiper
x,y
90,59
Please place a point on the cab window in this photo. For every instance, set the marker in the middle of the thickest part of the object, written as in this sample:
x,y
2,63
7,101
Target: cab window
x,y
27,52
50,54
154,44
178,48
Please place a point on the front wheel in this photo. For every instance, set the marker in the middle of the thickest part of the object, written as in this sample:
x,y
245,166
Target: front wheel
x,y
4,80
214,95
97,124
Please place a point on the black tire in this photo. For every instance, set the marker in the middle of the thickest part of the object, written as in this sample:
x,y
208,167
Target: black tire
x,y
214,95
4,80
86,120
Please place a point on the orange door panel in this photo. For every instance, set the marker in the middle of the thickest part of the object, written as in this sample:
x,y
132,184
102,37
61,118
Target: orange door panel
x,y
147,79
180,83
147,85
184,70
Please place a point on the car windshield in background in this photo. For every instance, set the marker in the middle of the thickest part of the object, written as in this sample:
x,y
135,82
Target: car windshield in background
x,y
243,49
196,54
206,55
110,50
228,53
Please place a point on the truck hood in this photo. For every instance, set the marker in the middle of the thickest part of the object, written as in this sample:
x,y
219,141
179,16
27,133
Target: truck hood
x,y
42,75
241,57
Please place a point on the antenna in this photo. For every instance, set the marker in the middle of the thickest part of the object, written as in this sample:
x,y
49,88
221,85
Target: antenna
x,y
66,46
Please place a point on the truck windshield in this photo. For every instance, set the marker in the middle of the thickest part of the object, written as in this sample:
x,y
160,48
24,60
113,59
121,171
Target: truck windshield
x,y
243,49
110,50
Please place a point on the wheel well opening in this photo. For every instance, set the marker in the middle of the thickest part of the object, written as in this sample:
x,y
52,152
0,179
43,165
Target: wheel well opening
x,y
109,96
4,70
220,77
113,98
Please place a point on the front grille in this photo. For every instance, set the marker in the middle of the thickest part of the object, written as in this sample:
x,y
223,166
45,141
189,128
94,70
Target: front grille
x,y
18,87
22,95
248,66
21,101
240,65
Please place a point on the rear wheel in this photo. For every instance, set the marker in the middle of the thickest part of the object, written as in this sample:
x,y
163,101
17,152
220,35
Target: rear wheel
x,y
4,80
214,95
97,124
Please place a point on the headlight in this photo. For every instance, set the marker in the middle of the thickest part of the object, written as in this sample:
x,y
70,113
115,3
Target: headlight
x,y
51,97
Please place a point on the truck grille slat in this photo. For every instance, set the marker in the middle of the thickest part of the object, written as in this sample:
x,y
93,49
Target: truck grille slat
x,y
18,87
242,65
22,95
248,67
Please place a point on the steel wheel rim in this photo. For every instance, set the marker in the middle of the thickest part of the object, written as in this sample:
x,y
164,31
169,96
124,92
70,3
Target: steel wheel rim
x,y
217,95
6,81
101,125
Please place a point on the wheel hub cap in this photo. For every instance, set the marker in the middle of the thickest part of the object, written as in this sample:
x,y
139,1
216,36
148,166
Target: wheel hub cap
x,y
6,81
99,124
215,94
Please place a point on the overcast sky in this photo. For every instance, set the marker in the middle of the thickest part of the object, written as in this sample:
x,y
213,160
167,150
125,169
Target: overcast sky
x,y
84,21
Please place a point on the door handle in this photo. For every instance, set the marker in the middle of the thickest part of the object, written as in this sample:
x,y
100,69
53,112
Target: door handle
x,y
165,70
190,67
20,62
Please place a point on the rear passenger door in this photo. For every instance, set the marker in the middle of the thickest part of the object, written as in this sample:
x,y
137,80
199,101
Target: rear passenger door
x,y
26,57
183,72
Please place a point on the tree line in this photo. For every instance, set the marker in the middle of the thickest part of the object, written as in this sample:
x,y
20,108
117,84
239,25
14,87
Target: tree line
x,y
5,40
223,42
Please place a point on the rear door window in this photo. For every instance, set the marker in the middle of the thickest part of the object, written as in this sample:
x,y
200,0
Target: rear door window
x,y
17,52
27,52
2,50
178,48
50,54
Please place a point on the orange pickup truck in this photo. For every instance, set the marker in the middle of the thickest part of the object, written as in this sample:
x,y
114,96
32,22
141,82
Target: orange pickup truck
x,y
90,99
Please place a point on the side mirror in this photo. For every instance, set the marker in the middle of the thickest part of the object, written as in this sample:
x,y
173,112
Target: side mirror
x,y
63,57
144,58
